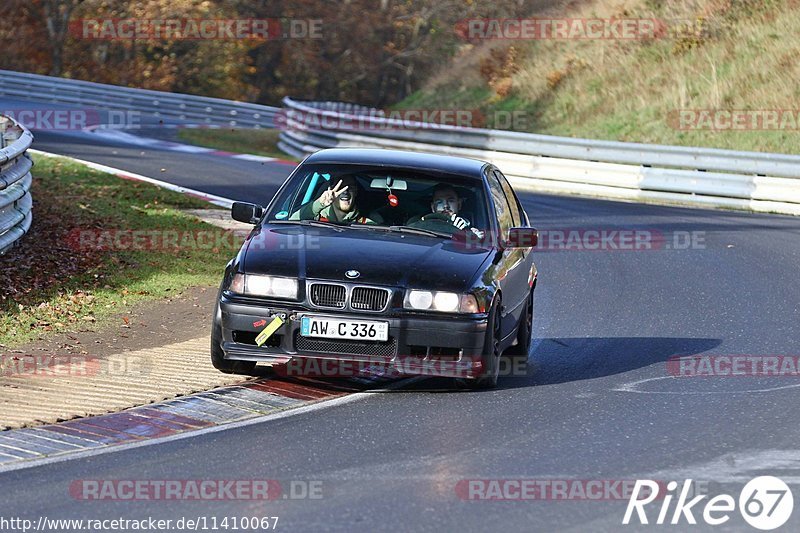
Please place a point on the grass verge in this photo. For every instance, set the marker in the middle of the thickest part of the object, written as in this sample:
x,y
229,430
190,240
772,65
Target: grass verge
x,y
52,282
250,141
714,55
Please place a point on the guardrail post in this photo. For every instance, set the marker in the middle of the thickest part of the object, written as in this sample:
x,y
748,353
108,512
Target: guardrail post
x,y
3,127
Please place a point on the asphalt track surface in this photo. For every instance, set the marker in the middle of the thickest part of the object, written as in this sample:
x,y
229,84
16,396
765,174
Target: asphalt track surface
x,y
597,403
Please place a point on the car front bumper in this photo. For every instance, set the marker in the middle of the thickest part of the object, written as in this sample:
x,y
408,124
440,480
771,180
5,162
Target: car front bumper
x,y
418,344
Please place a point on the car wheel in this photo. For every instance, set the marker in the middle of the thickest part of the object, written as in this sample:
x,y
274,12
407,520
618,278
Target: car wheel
x,y
491,353
218,356
518,354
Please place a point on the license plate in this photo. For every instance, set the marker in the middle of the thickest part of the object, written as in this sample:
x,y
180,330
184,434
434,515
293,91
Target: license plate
x,y
336,328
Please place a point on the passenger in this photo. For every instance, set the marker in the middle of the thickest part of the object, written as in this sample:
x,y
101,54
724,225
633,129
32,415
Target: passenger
x,y
337,204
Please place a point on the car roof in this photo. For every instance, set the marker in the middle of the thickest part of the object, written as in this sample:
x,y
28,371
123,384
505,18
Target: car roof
x,y
400,159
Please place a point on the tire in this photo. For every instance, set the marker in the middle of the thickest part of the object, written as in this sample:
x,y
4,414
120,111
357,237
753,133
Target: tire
x,y
218,356
491,353
518,354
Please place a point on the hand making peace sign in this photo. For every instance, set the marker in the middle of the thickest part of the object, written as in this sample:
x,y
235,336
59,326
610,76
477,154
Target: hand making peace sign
x,y
327,197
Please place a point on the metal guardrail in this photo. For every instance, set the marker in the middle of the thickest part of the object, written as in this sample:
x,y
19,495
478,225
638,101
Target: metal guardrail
x,y
197,110
15,183
642,172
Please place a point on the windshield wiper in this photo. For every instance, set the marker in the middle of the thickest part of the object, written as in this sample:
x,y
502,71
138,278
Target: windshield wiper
x,y
315,223
421,231
340,227
405,229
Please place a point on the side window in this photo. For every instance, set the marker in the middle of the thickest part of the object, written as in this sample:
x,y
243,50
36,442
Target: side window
x,y
311,188
500,204
302,190
516,216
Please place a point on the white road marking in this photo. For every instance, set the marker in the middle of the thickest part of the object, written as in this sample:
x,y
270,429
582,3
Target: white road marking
x,y
121,136
633,387
255,158
187,148
129,138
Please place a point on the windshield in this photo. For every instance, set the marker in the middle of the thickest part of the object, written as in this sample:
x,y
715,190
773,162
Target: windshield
x,y
369,196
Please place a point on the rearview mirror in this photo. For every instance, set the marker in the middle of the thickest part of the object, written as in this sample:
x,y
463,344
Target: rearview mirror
x,y
247,213
521,238
388,183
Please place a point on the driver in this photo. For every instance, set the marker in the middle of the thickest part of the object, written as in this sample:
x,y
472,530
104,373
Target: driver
x,y
445,206
337,204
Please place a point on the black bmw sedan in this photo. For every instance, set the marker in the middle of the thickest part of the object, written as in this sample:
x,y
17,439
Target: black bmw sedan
x,y
418,262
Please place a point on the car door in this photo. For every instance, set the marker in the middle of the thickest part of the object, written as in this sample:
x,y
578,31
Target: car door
x,y
519,216
510,262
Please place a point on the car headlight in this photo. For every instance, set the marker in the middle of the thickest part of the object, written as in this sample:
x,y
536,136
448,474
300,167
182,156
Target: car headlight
x,y
445,302
270,286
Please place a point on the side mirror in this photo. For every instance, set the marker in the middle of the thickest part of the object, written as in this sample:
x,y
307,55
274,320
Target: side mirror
x,y
247,213
521,238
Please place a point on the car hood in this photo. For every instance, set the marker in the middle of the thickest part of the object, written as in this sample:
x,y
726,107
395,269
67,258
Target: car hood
x,y
381,257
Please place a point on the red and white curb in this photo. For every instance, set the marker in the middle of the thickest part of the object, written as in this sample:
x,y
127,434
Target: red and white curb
x,y
223,408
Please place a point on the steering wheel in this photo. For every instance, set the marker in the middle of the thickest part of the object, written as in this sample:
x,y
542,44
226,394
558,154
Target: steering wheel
x,y
436,216
457,221
435,222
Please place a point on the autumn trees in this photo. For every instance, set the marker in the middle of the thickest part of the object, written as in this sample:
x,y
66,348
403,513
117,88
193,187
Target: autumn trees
x,y
369,51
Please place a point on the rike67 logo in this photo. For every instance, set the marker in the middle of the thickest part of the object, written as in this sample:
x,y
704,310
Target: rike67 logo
x,y
765,503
